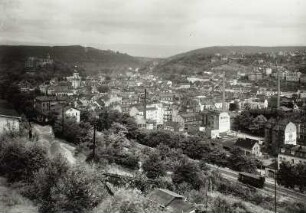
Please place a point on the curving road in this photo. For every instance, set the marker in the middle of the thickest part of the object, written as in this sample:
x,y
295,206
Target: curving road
x,y
57,146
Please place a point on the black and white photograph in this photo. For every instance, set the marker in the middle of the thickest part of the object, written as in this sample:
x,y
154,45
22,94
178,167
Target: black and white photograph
x,y
152,106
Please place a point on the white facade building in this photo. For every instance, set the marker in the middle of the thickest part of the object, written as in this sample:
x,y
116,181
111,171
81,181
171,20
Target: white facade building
x,y
73,113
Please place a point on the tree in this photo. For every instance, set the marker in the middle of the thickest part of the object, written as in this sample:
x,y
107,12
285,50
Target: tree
x,y
103,89
188,172
258,124
80,189
154,167
300,172
285,175
240,162
20,159
243,120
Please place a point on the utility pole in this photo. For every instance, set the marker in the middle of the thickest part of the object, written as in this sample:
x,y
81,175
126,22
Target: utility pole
x,y
94,141
275,200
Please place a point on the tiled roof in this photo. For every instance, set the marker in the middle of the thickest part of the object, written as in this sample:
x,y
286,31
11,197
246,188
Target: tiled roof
x,y
246,143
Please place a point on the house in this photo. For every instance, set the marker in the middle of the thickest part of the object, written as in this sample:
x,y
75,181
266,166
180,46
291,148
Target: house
x,y
9,118
48,104
188,121
167,97
255,76
254,103
248,146
294,154
171,201
279,132
73,113
183,85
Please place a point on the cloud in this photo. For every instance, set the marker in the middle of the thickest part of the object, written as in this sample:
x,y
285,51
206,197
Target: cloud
x,y
154,22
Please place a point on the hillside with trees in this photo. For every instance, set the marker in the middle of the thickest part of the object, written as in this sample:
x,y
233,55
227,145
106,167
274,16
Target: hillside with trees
x,y
204,59
13,58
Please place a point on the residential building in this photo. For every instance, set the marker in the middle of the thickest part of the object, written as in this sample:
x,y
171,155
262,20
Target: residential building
x,y
249,146
188,121
255,76
73,113
9,118
293,154
292,76
47,104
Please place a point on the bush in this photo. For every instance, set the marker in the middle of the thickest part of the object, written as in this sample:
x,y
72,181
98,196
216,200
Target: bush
x,y
20,159
46,178
221,206
128,160
188,172
80,189
154,167
128,201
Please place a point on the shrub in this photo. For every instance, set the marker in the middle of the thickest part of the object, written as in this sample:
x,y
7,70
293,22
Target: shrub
x,y
153,166
20,159
221,206
128,160
46,178
80,189
188,172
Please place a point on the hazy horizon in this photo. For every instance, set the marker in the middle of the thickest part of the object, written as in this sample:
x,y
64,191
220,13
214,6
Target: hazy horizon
x,y
154,28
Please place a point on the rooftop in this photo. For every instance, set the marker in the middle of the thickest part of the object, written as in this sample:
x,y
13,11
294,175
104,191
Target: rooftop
x,y
246,143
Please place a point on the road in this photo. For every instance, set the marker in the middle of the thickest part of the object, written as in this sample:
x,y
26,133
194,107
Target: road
x,y
269,185
57,146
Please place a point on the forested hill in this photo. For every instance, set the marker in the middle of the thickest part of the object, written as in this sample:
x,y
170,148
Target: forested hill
x,y
67,54
199,60
225,50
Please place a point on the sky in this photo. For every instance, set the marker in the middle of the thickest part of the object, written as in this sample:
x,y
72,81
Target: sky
x,y
153,28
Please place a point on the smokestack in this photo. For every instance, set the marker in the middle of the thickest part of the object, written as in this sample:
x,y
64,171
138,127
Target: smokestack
x,y
223,93
145,105
278,87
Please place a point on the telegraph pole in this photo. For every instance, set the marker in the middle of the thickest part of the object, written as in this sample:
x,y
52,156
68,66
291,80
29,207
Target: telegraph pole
x,y
94,141
275,200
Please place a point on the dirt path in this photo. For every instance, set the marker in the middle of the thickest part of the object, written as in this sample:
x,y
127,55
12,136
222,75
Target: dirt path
x,y
56,146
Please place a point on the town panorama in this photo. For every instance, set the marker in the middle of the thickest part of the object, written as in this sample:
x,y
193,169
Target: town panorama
x,y
106,128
